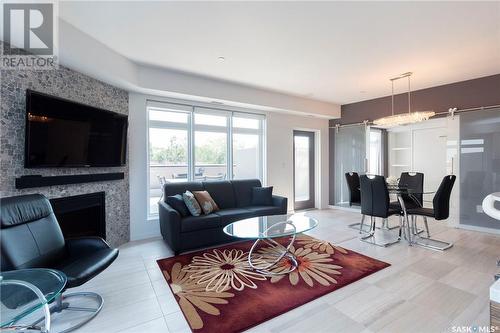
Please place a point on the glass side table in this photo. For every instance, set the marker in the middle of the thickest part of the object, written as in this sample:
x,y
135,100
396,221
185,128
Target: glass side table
x,y
24,291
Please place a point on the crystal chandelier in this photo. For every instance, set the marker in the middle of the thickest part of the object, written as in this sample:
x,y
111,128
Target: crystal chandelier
x,y
403,118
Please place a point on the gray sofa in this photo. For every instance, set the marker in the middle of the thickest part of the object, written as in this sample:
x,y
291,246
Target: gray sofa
x,y
234,199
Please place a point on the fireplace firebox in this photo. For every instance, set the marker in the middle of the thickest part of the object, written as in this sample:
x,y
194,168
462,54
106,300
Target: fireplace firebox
x,y
81,215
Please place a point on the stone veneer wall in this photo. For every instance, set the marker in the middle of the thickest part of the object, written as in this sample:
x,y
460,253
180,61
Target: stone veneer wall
x,y
77,87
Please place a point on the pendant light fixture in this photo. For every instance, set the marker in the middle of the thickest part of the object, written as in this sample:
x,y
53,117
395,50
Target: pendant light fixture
x,y
403,118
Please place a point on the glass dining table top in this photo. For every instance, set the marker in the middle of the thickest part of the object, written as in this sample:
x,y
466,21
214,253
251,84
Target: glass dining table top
x,y
18,300
270,226
396,189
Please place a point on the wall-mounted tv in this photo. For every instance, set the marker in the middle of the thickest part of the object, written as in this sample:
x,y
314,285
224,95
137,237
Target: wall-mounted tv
x,y
62,133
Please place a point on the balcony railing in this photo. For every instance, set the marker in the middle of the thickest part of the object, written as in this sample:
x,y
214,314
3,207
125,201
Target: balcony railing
x,y
160,174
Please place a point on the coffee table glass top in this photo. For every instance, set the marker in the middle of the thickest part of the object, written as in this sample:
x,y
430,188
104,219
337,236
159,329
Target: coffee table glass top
x,y
270,226
16,297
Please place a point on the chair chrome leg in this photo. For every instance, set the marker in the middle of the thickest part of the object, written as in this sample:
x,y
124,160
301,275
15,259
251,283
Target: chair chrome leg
x,y
362,223
371,237
433,244
427,227
400,226
60,306
385,225
362,227
430,243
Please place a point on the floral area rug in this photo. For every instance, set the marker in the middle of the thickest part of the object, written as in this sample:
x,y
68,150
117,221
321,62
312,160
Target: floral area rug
x,y
218,291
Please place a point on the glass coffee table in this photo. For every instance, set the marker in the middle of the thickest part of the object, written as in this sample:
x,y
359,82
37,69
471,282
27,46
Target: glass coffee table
x,y
264,229
24,291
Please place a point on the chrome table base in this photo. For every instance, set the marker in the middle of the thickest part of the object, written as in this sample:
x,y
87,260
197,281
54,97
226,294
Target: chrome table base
x,y
268,264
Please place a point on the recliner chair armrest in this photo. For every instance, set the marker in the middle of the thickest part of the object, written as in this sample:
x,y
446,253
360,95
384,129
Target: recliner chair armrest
x,y
84,245
281,202
170,225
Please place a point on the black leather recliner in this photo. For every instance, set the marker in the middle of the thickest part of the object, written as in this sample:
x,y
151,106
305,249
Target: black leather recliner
x,y
31,238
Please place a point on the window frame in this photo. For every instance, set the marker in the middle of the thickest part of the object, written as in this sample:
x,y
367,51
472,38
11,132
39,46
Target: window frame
x,y
191,127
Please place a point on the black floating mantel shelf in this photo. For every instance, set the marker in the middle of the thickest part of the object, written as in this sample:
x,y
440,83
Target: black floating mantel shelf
x,y
41,181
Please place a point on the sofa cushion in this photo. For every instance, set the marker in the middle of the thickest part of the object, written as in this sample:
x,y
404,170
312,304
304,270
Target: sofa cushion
x,y
222,193
192,205
193,223
170,189
243,191
264,210
206,202
262,196
233,214
177,203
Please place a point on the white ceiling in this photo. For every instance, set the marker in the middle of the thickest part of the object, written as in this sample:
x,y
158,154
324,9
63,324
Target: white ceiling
x,y
332,51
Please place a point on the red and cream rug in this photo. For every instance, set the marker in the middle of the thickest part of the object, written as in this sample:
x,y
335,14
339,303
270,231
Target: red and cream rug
x,y
218,291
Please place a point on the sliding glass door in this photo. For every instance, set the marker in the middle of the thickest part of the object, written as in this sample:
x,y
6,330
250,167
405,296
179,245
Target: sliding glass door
x,y
350,156
479,165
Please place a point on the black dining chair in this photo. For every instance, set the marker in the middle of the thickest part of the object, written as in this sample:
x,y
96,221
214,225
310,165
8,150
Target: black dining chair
x,y
439,211
413,181
375,203
31,238
352,179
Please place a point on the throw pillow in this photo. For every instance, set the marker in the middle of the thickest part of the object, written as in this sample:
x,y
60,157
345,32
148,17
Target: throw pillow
x,y
191,203
206,202
177,203
262,196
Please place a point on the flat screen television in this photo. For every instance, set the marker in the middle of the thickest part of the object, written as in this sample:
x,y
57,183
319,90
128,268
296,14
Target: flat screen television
x,y
62,133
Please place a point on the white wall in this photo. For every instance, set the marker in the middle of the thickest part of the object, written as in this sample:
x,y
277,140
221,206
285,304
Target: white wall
x,y
279,142
279,160
140,227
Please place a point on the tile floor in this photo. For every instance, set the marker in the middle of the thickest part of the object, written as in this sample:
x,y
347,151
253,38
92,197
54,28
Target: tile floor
x,y
423,290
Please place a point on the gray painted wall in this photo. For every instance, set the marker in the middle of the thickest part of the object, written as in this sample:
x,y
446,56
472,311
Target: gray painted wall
x,y
479,92
74,86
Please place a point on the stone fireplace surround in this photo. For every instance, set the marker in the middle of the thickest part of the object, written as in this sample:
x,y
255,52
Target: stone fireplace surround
x,y
77,87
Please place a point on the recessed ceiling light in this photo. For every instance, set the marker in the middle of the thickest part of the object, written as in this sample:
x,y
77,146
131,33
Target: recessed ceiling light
x,y
221,59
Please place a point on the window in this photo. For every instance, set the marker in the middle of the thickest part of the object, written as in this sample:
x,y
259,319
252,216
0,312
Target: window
x,y
191,143
375,152
210,146
247,147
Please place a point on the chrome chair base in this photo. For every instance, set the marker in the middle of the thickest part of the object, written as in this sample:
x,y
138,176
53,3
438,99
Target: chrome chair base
x,y
427,242
374,236
433,244
365,229
61,305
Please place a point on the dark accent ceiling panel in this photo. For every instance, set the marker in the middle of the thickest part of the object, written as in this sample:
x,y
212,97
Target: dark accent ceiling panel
x,y
465,94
